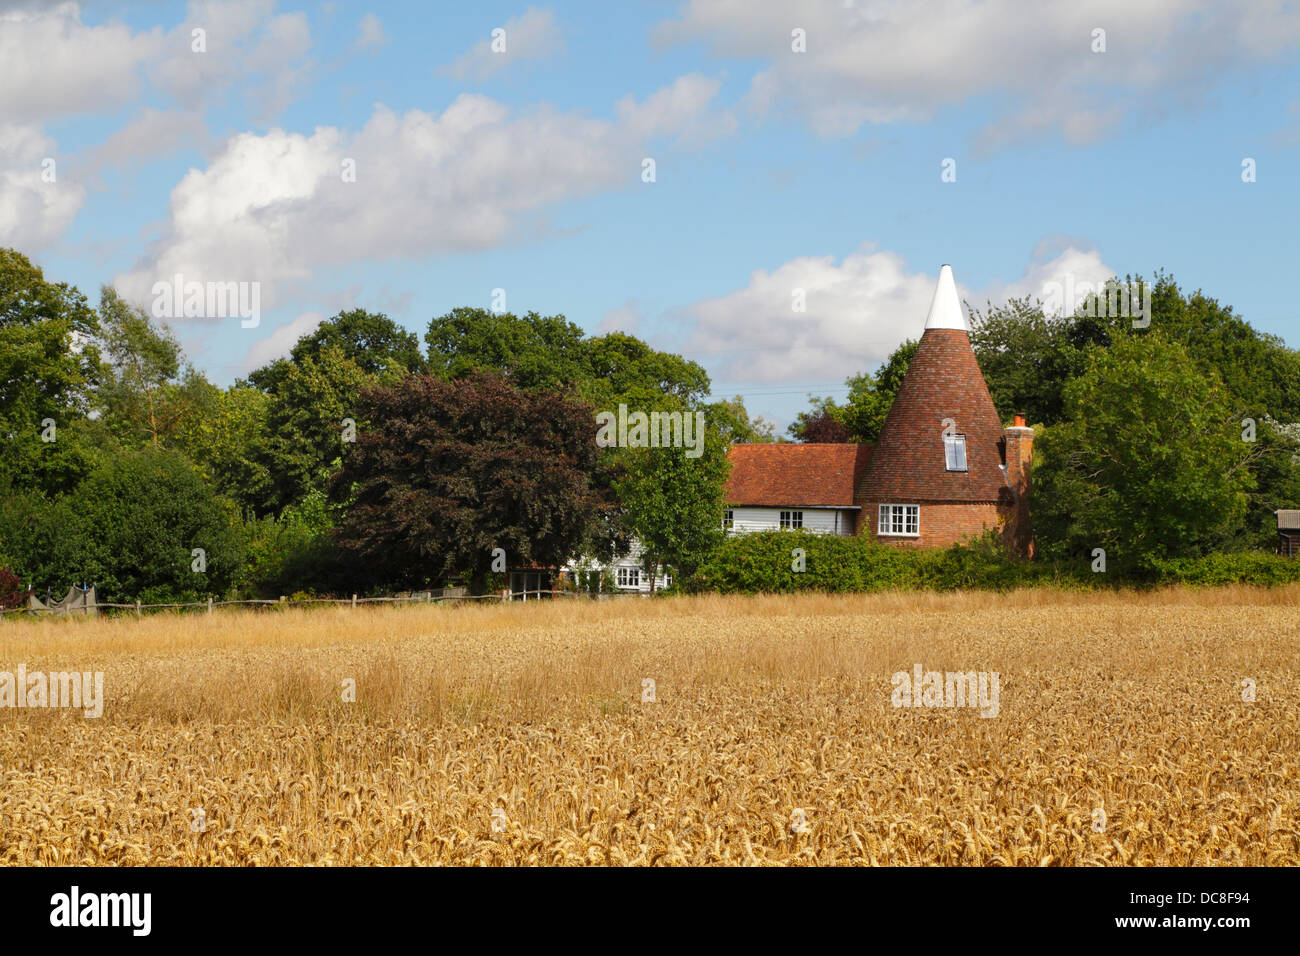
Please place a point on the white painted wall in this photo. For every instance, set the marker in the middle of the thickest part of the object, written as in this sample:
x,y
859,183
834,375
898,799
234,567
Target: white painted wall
x,y
823,520
630,560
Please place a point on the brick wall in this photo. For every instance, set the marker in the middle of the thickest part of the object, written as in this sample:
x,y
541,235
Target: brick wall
x,y
1017,532
942,523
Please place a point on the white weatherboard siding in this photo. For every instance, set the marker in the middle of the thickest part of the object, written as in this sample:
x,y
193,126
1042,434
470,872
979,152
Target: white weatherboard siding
x,y
824,520
632,563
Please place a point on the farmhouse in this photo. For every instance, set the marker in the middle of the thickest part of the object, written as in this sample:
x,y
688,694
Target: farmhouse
x,y
944,467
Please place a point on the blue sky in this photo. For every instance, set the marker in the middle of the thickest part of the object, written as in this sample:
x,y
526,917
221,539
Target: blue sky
x,y
775,169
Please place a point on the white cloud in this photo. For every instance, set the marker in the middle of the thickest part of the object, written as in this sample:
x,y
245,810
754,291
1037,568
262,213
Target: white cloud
x,y
33,212
897,60
246,44
275,207
371,34
53,64
857,312
533,36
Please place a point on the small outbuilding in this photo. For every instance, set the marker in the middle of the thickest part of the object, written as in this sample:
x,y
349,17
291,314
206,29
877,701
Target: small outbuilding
x,y
1288,533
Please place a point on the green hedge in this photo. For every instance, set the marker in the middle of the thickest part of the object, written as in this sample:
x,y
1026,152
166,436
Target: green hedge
x,y
762,562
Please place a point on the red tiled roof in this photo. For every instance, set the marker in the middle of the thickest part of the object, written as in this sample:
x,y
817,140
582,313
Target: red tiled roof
x,y
943,381
771,475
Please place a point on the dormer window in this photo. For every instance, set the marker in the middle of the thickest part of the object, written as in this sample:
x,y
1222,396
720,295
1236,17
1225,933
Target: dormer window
x,y
954,452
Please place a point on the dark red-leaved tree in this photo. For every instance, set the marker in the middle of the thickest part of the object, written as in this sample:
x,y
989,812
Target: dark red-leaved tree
x,y
447,471
12,592
821,427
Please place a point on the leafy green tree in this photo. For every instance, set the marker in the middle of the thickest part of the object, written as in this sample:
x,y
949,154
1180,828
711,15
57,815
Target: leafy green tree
x,y
732,421
230,445
619,367
1148,465
147,394
131,530
303,443
673,503
372,341
533,351
448,471
1027,357
48,366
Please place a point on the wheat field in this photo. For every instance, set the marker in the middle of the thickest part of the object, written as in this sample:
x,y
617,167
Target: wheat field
x,y
518,735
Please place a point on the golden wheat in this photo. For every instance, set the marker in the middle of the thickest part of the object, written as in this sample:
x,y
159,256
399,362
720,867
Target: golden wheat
x,y
517,734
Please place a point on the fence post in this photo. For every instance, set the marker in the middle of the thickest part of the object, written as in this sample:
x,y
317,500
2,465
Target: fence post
x,y
281,599
354,602
137,607
209,605
505,595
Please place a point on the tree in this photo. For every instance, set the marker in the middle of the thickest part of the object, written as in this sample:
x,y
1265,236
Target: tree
x,y
48,365
619,367
230,445
1149,463
821,426
533,351
131,529
145,395
305,426
729,417
372,341
673,503
449,471
1027,357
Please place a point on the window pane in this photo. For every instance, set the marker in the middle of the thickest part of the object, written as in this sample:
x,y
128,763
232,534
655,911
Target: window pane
x,y
954,450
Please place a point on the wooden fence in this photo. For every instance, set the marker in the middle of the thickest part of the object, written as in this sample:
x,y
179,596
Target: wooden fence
x,y
421,597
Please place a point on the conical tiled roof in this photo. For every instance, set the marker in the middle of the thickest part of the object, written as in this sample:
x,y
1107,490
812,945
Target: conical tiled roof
x,y
943,381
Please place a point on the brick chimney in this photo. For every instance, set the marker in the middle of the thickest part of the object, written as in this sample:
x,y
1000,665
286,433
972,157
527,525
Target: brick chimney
x,y
1020,455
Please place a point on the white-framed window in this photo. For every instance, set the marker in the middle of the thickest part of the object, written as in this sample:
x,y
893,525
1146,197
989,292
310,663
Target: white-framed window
x,y
954,452
791,519
629,577
668,580
902,520
728,520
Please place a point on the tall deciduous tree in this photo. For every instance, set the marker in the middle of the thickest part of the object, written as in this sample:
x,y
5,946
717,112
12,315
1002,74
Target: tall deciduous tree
x,y
449,471
673,503
532,350
306,434
372,341
1148,465
148,395
48,365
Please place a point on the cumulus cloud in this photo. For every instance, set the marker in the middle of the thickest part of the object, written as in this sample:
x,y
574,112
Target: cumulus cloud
x,y
275,207
857,312
897,60
246,44
34,211
52,64
533,36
